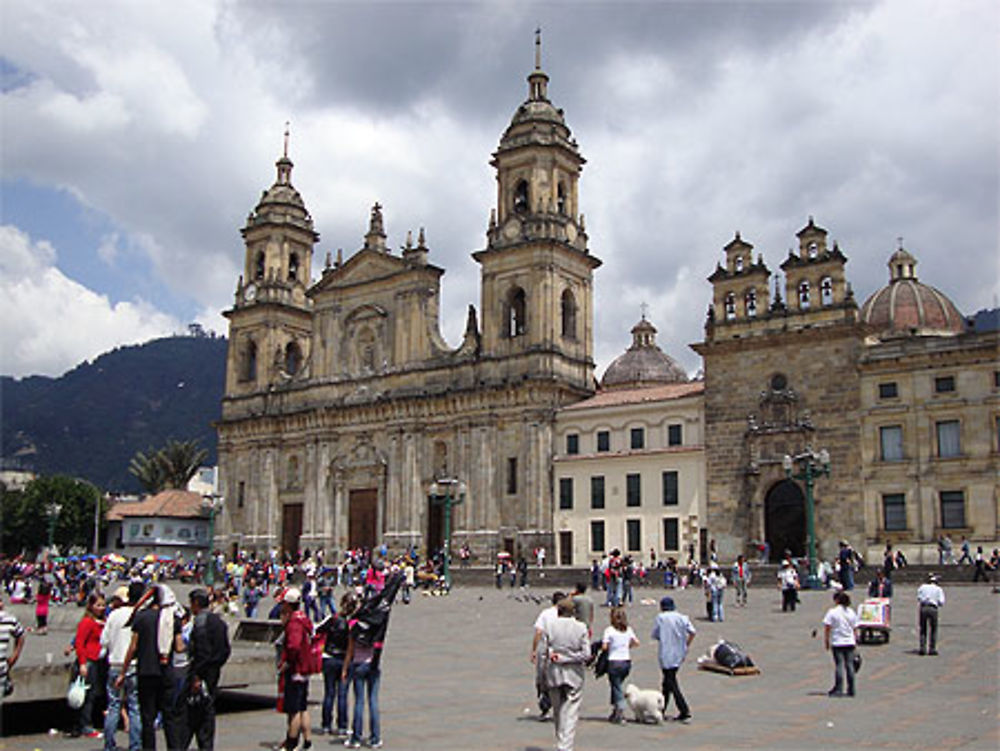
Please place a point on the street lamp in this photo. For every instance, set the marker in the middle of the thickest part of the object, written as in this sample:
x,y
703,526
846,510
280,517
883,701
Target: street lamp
x,y
810,463
447,491
212,503
52,511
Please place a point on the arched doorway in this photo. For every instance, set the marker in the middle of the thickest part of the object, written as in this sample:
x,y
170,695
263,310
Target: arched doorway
x,y
785,520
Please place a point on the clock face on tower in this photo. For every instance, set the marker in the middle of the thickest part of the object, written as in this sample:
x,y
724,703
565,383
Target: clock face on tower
x,y
250,293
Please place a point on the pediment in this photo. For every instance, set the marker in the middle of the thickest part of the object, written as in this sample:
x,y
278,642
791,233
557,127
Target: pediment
x,y
364,266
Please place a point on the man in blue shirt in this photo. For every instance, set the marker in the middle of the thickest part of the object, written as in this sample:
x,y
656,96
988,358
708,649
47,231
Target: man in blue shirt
x,y
675,633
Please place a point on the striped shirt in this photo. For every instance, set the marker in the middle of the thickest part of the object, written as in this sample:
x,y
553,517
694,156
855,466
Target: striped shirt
x,y
10,631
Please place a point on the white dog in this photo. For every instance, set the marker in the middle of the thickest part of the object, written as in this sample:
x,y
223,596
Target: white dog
x,y
648,706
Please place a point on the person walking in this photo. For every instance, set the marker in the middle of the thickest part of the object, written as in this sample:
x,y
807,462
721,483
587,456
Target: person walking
x,y
11,645
567,651
334,653
966,549
741,580
716,583
294,665
846,559
88,654
547,615
618,641
583,606
930,599
980,566
788,583
208,651
840,625
115,640
675,632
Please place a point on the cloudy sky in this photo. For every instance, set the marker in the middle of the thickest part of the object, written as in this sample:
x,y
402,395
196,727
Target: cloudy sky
x,y
137,136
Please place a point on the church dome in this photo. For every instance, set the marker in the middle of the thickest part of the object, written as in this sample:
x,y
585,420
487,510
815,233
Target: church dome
x,y
644,363
907,307
281,203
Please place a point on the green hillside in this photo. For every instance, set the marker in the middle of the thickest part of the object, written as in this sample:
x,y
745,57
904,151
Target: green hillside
x,y
89,422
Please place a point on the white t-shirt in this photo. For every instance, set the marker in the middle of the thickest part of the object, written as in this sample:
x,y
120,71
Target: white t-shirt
x,y
788,578
618,642
545,618
842,622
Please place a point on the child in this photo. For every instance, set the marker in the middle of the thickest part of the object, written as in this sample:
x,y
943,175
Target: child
x,y
42,607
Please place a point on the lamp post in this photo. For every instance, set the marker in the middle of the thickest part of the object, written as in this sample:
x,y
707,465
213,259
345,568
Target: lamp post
x,y
810,464
447,491
52,511
213,503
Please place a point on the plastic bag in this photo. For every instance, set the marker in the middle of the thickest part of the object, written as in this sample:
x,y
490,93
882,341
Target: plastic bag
x,y
77,693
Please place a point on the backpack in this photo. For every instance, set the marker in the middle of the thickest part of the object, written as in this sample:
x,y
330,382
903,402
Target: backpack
x,y
317,645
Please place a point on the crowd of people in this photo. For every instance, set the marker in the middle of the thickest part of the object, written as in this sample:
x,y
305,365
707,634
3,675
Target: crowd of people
x,y
155,662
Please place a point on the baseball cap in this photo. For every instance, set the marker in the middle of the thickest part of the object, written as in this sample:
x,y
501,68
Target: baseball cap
x,y
293,596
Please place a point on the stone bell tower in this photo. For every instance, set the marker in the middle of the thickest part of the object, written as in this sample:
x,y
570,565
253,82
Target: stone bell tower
x,y
537,272
271,319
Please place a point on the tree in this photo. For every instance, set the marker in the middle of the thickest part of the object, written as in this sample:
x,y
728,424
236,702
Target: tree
x,y
181,460
28,513
148,470
170,467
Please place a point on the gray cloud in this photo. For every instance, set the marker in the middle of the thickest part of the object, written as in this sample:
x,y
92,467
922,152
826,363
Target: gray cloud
x,y
697,119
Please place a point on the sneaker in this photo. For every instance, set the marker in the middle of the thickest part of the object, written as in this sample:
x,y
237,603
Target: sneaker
x,y
932,652
922,652
352,743
93,734
683,718
375,744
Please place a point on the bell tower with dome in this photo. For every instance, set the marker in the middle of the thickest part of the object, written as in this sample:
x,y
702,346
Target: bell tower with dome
x,y
271,319
536,269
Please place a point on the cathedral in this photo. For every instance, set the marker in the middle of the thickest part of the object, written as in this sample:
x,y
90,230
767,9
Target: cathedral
x,y
343,403
348,421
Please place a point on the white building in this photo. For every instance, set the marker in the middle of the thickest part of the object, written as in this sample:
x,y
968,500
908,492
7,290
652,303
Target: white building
x,y
629,469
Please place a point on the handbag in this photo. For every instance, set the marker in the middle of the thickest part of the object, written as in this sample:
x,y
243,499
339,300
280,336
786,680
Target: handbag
x,y
857,662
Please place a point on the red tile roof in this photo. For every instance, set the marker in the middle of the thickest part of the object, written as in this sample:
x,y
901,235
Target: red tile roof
x,y
619,397
168,503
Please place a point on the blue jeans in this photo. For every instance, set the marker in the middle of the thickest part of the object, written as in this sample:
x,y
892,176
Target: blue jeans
x,y
618,671
326,603
717,612
843,663
334,688
130,687
364,675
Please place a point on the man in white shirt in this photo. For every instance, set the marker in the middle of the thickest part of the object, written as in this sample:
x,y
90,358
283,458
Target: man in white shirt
x,y
930,598
115,640
544,619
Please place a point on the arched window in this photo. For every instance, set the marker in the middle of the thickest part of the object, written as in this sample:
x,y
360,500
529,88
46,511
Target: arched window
x,y
826,291
293,358
521,197
561,198
517,323
293,267
568,315
751,303
739,264
250,361
804,294
730,306
259,266
813,249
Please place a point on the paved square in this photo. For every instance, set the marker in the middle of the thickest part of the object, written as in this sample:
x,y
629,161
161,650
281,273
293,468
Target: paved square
x,y
456,675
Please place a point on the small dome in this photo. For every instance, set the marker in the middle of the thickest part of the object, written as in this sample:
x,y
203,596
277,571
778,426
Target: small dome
x,y
644,363
907,307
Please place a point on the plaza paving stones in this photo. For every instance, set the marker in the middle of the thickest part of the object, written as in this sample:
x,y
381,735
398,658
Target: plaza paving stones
x,y
456,675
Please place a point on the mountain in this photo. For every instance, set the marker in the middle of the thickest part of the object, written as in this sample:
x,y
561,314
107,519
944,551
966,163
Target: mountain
x,y
90,422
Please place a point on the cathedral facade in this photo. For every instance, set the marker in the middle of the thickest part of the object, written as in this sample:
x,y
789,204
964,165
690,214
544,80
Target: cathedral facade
x,y
343,403
903,393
